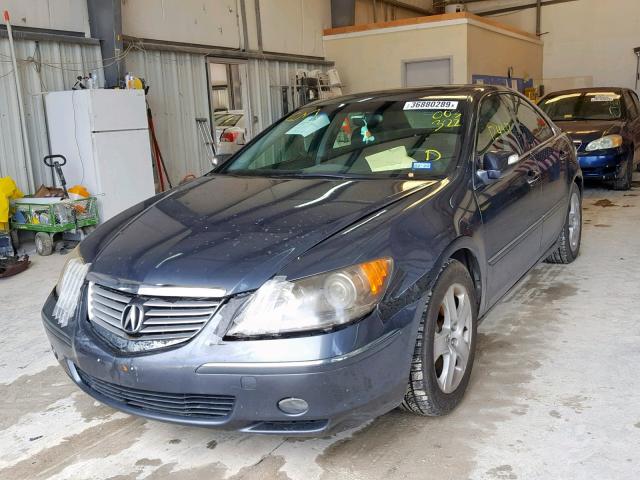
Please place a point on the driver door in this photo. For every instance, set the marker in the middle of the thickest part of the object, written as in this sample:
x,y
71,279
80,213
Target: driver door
x,y
509,205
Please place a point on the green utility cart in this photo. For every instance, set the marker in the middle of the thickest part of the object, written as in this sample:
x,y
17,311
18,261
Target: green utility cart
x,y
49,217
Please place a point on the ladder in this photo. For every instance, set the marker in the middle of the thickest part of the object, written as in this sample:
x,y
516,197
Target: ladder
x,y
207,139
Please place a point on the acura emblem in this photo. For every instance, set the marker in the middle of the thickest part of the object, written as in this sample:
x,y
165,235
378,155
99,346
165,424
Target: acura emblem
x,y
132,318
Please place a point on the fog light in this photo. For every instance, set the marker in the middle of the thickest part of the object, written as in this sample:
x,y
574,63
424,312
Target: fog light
x,y
293,406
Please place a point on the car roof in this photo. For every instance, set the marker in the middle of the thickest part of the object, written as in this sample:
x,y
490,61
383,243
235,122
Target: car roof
x,y
472,91
585,90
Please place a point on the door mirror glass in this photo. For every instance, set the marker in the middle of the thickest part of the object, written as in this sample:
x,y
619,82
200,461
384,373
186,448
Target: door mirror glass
x,y
495,163
499,161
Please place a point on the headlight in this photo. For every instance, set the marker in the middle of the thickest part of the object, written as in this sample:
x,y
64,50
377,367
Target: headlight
x,y
69,286
313,303
74,258
608,141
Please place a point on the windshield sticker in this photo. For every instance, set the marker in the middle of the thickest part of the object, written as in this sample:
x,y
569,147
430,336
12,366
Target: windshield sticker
x,y
310,125
604,98
446,119
301,114
431,105
392,159
421,166
432,155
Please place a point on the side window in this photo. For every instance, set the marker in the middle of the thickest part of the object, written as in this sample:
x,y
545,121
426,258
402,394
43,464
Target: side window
x,y
533,127
497,129
632,108
634,99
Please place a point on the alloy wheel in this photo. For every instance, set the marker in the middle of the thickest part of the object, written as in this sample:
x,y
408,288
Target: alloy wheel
x,y
575,221
452,338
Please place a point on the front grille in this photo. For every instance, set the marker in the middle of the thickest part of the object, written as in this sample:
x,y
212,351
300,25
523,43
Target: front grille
x,y
166,320
175,404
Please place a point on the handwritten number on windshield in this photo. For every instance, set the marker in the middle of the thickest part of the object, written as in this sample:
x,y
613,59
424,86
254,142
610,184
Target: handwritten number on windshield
x,y
446,119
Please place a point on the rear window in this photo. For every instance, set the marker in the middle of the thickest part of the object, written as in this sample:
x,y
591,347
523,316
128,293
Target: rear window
x,y
596,105
370,138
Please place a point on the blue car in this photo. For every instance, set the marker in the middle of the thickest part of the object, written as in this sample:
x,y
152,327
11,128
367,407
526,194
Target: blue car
x,y
333,269
604,124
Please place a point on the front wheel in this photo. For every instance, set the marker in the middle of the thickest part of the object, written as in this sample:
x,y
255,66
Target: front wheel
x,y
44,243
445,347
625,181
571,235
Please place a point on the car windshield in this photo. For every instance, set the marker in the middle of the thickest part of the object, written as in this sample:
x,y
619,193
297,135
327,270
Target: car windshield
x,y
583,106
420,137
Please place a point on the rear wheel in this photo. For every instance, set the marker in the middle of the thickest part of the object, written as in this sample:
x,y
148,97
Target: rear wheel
x,y
445,347
571,235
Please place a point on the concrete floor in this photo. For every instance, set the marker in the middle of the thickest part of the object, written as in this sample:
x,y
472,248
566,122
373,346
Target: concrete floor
x,y
555,392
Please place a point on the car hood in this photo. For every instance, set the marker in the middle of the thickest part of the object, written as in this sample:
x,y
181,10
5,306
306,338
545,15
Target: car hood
x,y
585,131
235,232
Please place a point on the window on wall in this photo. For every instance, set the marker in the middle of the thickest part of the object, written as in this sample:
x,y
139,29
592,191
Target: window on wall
x,y
226,86
427,72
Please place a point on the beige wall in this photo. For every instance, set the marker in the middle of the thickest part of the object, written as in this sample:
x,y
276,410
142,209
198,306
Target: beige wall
x,y
586,41
492,53
288,26
372,61
188,21
294,26
68,15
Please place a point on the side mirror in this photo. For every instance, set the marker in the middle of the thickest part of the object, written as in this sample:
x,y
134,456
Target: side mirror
x,y
494,163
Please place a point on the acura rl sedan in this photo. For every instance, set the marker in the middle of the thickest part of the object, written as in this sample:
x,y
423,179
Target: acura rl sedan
x,y
333,269
604,124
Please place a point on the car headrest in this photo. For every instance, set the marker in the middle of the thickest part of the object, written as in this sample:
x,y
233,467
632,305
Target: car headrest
x,y
373,120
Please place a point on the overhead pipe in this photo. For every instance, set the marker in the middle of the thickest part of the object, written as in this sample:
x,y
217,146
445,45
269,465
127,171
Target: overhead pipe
x,y
539,18
23,123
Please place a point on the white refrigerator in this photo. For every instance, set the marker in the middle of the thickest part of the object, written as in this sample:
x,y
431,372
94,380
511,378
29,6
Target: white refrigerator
x,y
105,137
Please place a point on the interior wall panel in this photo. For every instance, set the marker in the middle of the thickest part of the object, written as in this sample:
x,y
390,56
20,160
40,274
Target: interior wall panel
x,y
177,96
43,67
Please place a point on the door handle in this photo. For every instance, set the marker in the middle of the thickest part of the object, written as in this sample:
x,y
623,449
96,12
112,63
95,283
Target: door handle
x,y
533,177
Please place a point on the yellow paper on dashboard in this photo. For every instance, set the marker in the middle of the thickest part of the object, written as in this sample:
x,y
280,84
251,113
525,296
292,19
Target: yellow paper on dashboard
x,y
392,159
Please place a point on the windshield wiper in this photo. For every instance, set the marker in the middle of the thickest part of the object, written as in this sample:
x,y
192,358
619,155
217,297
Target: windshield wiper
x,y
340,176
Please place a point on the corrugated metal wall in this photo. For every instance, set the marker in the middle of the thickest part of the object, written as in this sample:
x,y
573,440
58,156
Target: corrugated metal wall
x,y
178,94
43,66
265,81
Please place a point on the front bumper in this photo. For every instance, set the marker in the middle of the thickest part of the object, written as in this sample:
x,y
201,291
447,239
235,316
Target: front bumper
x,y
347,377
602,165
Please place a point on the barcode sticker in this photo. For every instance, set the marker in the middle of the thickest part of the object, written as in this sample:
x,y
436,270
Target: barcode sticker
x,y
604,98
431,105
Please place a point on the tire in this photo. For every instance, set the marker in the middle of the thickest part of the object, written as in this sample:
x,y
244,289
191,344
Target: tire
x,y
44,244
570,239
624,183
427,392
15,239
